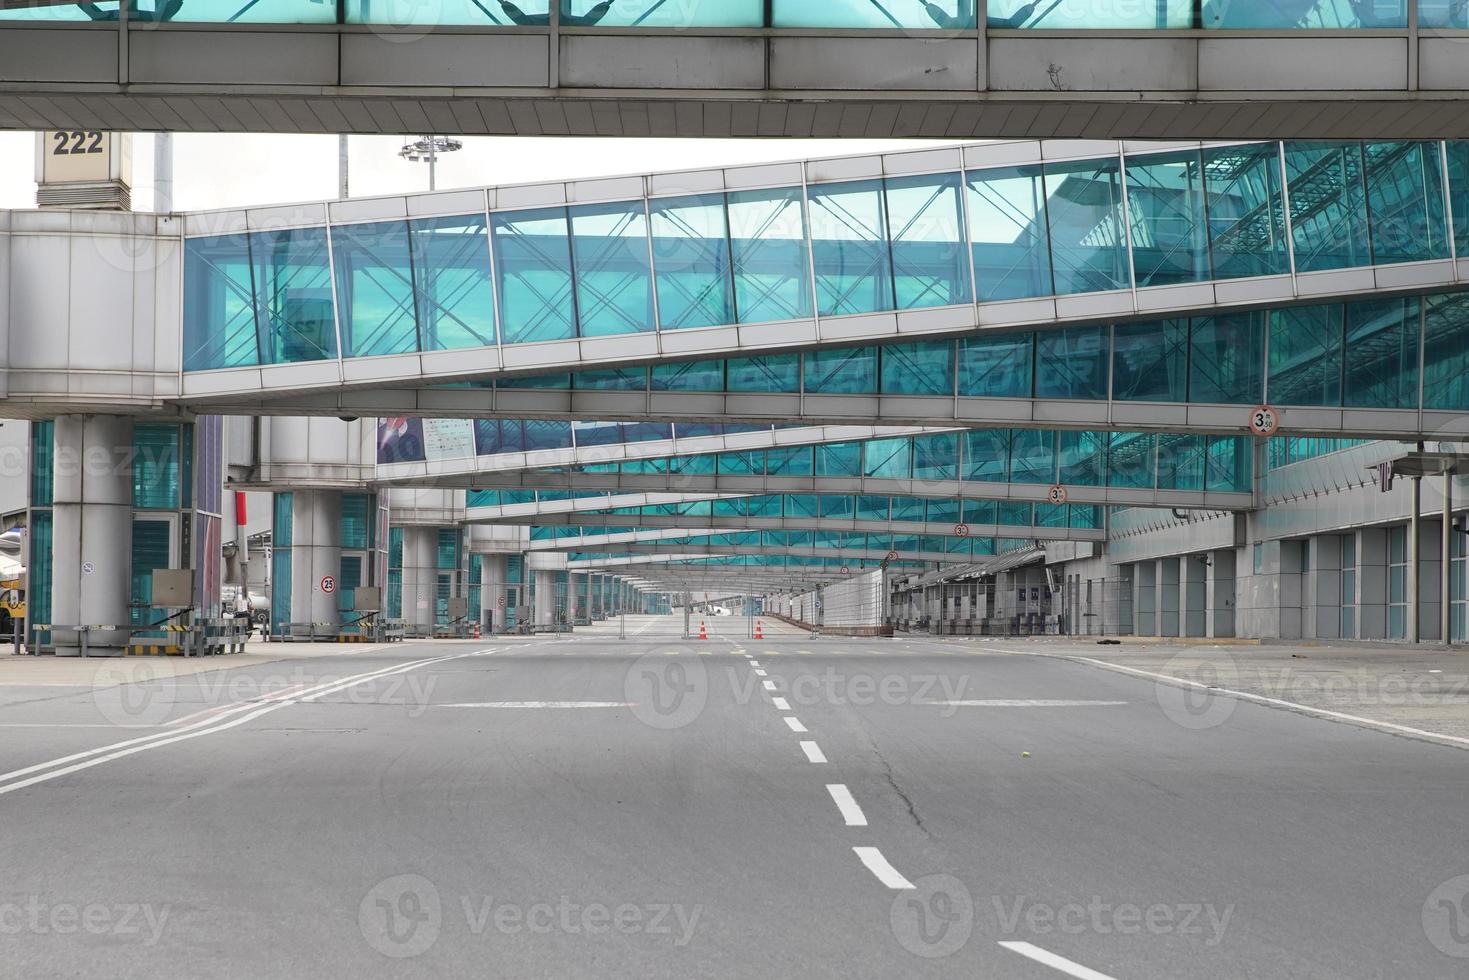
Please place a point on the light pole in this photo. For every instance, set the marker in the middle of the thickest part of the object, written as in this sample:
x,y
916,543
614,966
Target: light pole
x,y
426,149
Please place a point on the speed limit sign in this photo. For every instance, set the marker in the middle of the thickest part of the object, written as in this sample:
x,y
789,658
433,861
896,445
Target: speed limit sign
x,y
328,584
892,556
1057,494
501,602
961,530
1264,420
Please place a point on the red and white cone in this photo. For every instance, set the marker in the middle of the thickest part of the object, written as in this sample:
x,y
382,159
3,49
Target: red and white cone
x,y
759,635
703,630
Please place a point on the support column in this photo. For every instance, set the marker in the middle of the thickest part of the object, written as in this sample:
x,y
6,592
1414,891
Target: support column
x,y
1194,588
1219,586
316,555
1446,564
1145,602
493,571
420,578
1372,584
91,571
574,586
1415,599
1168,597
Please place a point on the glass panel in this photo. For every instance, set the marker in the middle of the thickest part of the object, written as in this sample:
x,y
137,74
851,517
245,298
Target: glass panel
x,y
926,218
614,287
1245,210
1306,355
689,376
1227,359
1009,14
1405,202
692,262
947,14
1165,201
1032,456
1071,363
545,434
293,295
789,461
651,13
1458,158
836,506
1007,229
1180,461
106,11
888,459
1382,354
921,368
1307,15
451,268
1083,458
375,288
1150,361
771,373
1446,352
611,379
494,13
233,11
1130,460
987,455
150,552
1328,205
1084,211
908,509
772,268
996,365
839,459
1228,465
219,310
873,508
841,371
1443,13
936,457
533,275
43,462
849,243
944,512
155,466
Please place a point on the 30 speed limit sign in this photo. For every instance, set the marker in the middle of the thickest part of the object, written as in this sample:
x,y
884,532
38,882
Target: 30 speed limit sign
x,y
1264,421
961,530
1057,494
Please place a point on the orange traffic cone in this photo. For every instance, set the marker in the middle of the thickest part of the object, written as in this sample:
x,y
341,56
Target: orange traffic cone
x,y
703,631
758,634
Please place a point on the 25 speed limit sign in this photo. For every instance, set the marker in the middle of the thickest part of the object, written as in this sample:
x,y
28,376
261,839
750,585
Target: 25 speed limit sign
x,y
1264,421
328,584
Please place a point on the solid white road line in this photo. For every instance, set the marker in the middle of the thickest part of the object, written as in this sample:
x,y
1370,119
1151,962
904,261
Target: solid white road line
x,y
795,725
1055,962
781,704
538,704
768,685
1025,703
879,866
851,812
813,752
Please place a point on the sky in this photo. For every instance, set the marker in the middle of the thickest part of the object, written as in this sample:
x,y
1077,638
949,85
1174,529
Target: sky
x,y
214,170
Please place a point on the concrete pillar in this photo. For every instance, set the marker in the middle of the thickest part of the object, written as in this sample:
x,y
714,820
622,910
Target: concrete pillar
x,y
1446,556
575,583
1168,597
494,570
1415,540
1430,591
1322,589
1372,583
1195,617
1219,586
1291,594
1145,599
420,577
316,554
91,571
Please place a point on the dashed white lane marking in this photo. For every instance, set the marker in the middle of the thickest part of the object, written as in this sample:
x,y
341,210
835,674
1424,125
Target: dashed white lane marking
x,y
795,725
761,673
781,704
879,866
1055,962
851,812
754,663
1026,703
768,685
813,752
538,704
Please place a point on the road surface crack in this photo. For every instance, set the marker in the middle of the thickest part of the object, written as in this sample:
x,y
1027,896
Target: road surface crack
x,y
907,802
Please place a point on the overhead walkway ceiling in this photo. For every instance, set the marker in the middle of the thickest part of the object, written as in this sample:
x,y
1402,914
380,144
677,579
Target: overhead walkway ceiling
x,y
851,559
840,68
1068,284
979,537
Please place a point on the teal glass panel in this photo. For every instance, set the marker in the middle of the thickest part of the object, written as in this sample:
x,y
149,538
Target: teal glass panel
x,y
1180,461
1007,232
936,457
409,13
741,464
1246,211
801,505
281,531
448,549
1084,212
692,262
689,376
559,381
987,455
835,506
996,365
1227,467
1304,15
1032,456
930,255
1306,355
546,434
374,271
356,520
650,13
891,14
533,275
1165,205
219,307
453,290
841,371
1443,13
150,552
38,567
1131,460
349,577
921,368
981,511
232,11
908,509
1328,205
1084,516
1028,14
156,466
1015,514
1083,458
614,282
945,512
293,296
772,267
849,235
1071,363
873,508
1150,361
105,11
1227,359
888,459
839,459
1457,152
280,587
1446,352
43,463
611,379
1050,515
1405,202
790,461
771,373
1382,354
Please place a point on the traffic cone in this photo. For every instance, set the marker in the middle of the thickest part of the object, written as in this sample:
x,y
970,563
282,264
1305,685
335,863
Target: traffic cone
x,y
758,634
703,631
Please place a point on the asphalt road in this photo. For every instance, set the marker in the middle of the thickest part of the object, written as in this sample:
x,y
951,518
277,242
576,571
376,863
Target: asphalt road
x,y
647,808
